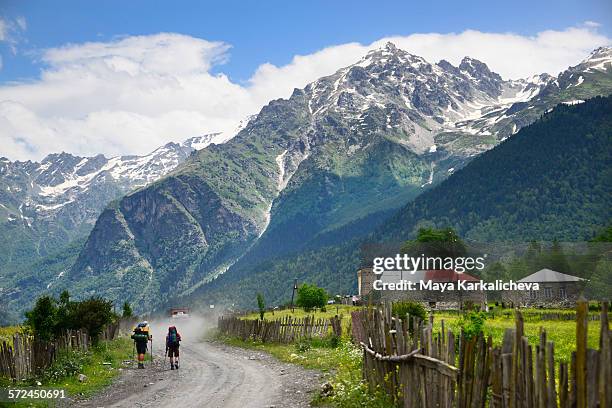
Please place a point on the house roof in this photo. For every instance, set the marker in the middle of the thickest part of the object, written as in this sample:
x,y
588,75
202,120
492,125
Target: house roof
x,y
547,275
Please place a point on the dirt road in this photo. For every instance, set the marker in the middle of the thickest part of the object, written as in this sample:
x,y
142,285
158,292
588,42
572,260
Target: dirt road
x,y
211,375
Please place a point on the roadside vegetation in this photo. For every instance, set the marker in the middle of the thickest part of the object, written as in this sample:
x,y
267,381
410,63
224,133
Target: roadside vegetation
x,y
100,365
342,361
80,373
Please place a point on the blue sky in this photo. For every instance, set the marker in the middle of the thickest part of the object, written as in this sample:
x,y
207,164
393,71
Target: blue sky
x,y
275,31
125,77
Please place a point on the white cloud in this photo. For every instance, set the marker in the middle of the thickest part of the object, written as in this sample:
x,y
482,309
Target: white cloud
x,y
11,31
135,93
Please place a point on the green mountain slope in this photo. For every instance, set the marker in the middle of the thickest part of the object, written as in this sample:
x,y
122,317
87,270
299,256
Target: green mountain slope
x,y
326,165
552,180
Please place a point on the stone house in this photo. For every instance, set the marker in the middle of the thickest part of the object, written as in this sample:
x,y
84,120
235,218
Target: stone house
x,y
554,287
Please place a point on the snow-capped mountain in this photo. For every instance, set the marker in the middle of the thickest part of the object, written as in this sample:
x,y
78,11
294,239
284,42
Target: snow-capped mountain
x,y
424,100
42,189
44,205
325,165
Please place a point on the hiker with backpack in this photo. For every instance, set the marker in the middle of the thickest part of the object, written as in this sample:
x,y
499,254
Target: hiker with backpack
x,y
173,340
141,338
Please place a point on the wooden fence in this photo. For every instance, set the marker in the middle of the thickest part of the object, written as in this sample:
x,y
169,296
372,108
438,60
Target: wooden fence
x,y
418,368
284,330
27,357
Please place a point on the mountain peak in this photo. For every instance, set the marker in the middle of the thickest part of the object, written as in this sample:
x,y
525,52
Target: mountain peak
x,y
472,65
600,54
389,46
600,59
602,51
481,73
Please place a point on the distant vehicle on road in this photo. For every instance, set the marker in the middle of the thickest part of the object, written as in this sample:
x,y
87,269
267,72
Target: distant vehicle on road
x,y
179,312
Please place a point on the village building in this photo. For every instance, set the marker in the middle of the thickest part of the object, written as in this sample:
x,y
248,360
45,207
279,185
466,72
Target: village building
x,y
553,287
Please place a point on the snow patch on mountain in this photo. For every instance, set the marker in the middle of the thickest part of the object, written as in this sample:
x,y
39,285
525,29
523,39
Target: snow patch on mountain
x,y
63,186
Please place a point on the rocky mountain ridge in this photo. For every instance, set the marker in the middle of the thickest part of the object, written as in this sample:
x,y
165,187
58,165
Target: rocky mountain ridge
x,y
328,163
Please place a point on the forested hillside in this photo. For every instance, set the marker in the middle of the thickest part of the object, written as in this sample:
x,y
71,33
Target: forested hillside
x,y
551,181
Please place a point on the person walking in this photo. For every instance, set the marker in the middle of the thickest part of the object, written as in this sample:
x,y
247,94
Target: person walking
x,y
173,340
141,337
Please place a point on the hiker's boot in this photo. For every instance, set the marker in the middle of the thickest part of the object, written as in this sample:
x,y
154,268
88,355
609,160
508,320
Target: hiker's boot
x,y
176,365
172,366
140,365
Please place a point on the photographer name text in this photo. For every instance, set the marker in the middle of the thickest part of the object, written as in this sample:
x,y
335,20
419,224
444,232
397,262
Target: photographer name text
x,y
498,285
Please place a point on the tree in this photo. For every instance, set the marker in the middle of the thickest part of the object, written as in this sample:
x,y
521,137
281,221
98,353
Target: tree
x,y
65,314
311,296
432,242
64,297
127,310
557,260
42,319
261,305
93,314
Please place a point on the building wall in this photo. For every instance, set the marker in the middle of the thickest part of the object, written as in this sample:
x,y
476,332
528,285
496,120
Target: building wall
x,y
365,279
548,292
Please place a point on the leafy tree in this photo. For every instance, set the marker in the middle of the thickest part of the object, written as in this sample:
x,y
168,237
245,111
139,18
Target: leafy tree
x,y
93,314
533,256
42,319
311,296
65,314
127,310
64,297
604,236
556,259
261,305
436,243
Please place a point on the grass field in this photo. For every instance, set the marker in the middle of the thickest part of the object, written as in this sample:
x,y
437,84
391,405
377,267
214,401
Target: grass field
x,y
6,333
342,365
561,332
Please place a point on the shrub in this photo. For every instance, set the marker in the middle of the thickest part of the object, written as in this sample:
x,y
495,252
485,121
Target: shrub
x,y
334,341
67,364
48,319
473,323
594,307
303,345
93,314
261,305
403,308
311,296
